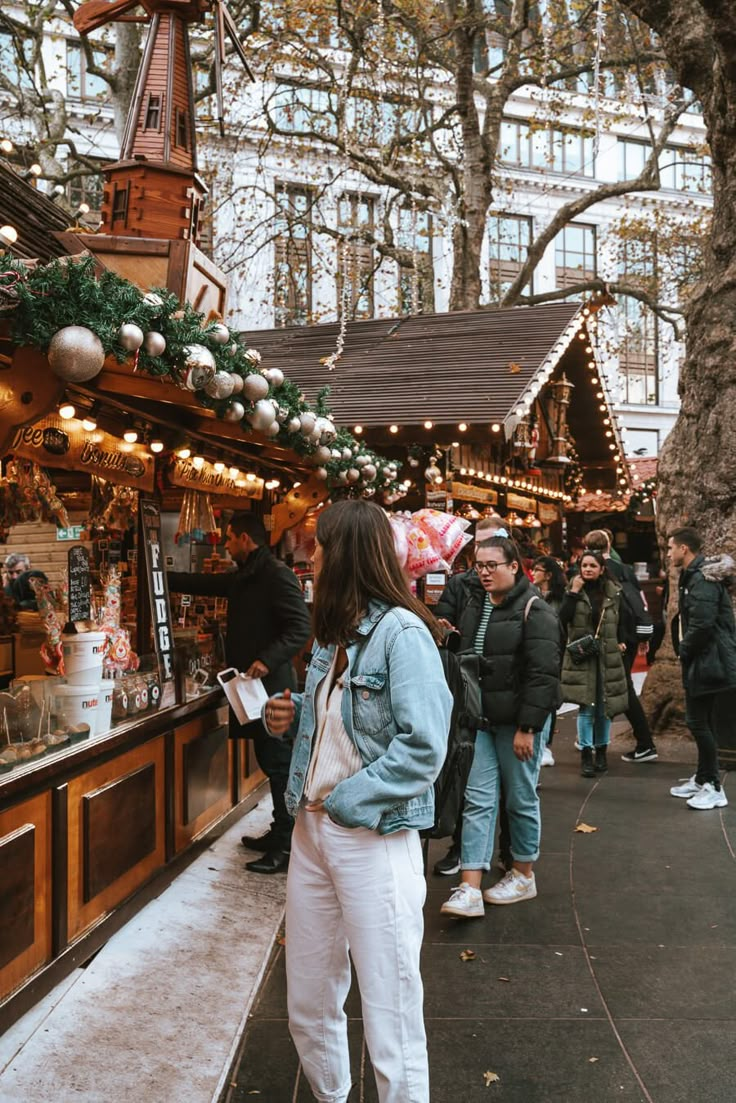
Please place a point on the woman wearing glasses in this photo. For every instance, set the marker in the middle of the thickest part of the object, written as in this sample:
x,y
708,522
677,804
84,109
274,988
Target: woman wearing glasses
x,y
518,637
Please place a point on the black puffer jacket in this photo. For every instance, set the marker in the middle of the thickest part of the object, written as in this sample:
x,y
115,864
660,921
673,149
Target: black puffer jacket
x,y
521,658
458,592
703,632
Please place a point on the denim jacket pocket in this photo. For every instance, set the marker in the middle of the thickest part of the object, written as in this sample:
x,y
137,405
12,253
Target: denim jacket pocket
x,y
371,703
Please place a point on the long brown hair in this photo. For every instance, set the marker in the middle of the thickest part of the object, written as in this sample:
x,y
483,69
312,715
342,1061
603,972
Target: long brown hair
x,y
359,563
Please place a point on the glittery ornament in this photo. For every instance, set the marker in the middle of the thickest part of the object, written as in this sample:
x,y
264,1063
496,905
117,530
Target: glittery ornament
x,y
154,344
235,411
76,354
263,415
294,425
307,421
219,333
283,413
275,377
220,385
237,382
253,355
130,336
232,349
255,387
353,474
197,356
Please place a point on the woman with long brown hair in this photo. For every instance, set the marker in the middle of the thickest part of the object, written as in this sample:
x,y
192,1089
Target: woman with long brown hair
x,y
370,734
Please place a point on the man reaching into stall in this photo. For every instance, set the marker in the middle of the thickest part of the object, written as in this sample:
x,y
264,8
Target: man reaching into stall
x,y
267,624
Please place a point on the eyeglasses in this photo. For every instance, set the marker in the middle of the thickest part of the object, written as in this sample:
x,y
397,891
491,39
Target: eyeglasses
x,y
483,568
14,570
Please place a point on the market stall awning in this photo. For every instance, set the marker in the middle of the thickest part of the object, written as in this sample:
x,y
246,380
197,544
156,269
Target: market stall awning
x,y
471,366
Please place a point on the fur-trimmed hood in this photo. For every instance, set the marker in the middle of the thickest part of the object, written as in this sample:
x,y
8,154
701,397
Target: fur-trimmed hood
x,y
718,568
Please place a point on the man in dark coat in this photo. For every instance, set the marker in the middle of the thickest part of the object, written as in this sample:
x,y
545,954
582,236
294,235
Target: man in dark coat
x,y
267,624
704,638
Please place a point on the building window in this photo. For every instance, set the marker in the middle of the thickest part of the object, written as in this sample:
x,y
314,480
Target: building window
x,y
120,204
181,139
575,254
300,109
683,169
639,337
152,116
632,157
356,218
509,237
13,62
86,188
81,84
569,152
416,286
293,256
515,144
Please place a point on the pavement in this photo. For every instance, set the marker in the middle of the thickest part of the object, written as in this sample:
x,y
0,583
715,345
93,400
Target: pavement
x,y
615,983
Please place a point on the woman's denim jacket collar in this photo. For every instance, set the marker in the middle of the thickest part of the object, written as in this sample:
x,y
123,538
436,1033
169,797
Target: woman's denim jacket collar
x,y
397,712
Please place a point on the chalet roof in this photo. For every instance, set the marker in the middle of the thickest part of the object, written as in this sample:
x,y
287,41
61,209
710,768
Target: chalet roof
x,y
33,215
461,366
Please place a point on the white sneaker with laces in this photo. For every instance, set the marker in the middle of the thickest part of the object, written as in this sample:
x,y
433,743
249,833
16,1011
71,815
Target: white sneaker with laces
x,y
547,757
513,888
465,903
688,787
708,797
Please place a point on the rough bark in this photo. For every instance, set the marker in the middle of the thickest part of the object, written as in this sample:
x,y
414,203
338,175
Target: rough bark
x,y
697,474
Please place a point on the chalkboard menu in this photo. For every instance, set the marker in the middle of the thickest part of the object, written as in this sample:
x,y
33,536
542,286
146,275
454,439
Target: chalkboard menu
x,y
79,584
157,586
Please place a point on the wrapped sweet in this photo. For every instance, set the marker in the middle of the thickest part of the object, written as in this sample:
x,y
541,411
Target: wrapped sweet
x,y
446,531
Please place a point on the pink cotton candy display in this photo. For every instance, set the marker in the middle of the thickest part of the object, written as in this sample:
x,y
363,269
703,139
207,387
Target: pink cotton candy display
x,y
422,556
445,531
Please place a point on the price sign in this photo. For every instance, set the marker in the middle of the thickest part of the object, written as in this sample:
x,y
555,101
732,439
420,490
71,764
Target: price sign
x,y
79,584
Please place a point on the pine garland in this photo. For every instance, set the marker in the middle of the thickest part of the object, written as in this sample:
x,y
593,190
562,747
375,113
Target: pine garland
x,y
71,292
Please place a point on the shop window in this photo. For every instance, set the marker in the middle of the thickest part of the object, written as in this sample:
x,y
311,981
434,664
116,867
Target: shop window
x,y
293,256
575,254
509,237
355,255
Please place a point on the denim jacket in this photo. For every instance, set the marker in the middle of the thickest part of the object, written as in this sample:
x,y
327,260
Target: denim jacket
x,y
396,709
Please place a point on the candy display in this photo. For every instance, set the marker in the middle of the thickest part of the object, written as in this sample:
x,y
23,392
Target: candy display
x,y
428,540
27,494
196,520
119,654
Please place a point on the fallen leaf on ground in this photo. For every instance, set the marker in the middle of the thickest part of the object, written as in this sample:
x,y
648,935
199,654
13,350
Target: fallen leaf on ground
x,y
585,828
506,979
491,1078
467,955
592,1060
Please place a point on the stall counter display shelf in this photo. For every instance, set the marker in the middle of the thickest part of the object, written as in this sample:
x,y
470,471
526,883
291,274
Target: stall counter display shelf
x,y
203,609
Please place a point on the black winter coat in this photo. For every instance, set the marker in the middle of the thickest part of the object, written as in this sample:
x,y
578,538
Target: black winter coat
x,y
266,615
703,632
520,679
456,595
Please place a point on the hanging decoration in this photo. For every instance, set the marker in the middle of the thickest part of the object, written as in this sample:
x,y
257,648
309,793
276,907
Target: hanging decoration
x,y
573,472
642,494
196,520
428,540
110,316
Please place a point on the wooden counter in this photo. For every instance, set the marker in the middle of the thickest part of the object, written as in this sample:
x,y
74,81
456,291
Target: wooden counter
x,y
84,829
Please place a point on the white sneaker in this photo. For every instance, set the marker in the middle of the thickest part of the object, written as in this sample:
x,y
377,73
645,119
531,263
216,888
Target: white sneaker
x,y
708,797
688,787
547,757
465,903
578,746
513,888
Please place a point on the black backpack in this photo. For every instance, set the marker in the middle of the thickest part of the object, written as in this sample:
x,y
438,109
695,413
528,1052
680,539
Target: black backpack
x,y
631,595
462,672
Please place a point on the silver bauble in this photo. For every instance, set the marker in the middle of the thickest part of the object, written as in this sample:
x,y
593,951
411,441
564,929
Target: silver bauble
x,y
197,356
321,472
413,461
263,415
220,385
315,437
336,453
76,354
294,425
275,377
353,474
329,432
273,429
219,333
154,344
432,473
342,478
255,387
235,411
361,461
347,453
253,355
152,299
130,336
369,472
232,349
307,422
322,454
368,492
237,382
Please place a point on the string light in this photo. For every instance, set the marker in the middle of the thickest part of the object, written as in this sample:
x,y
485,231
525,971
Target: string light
x,y
393,428
67,411
462,427
89,423
198,462
156,446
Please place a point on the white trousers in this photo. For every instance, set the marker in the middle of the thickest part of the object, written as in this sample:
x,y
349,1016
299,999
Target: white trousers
x,y
350,888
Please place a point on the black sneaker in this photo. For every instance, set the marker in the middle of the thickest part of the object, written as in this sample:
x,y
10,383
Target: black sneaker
x,y
258,843
448,865
649,754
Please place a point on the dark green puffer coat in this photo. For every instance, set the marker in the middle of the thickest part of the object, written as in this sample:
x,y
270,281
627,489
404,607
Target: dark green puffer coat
x,y
704,634
579,682
520,678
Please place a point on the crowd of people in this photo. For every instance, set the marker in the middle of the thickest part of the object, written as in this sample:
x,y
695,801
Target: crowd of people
x,y
356,755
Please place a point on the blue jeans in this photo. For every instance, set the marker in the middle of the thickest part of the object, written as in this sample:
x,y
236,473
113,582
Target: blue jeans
x,y
496,765
594,727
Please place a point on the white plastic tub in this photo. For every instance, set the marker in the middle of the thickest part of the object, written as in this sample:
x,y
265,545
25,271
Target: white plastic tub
x,y
83,655
77,704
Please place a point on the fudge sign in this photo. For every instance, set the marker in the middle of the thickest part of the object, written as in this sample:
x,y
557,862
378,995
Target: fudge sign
x,y
157,587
